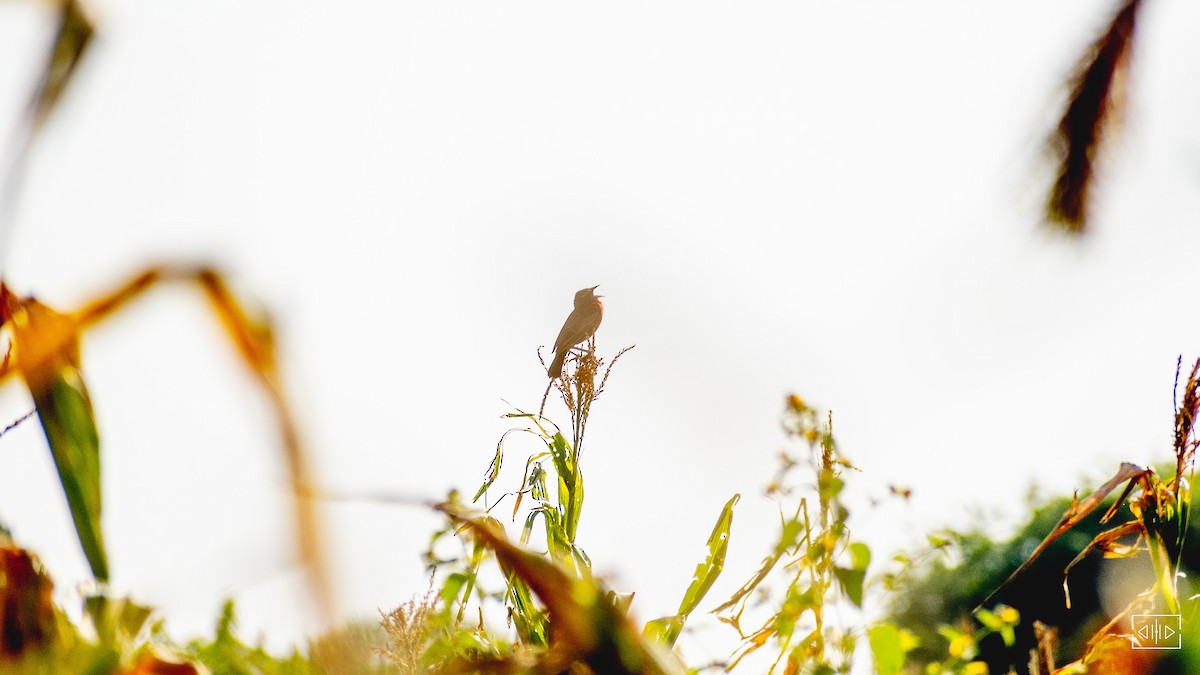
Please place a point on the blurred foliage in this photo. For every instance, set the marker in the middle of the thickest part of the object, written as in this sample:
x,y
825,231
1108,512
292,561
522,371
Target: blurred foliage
x,y
115,636
557,616
43,349
814,557
942,585
1092,112
1078,576
355,648
43,344
72,36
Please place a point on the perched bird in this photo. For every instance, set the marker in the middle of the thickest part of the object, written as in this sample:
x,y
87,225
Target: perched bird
x,y
581,325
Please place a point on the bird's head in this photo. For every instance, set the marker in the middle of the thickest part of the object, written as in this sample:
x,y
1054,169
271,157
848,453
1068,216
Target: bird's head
x,y
585,296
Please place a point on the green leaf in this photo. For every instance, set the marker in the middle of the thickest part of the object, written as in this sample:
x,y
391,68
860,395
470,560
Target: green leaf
x,y
117,622
989,619
537,483
860,556
887,646
829,486
707,572
70,427
560,453
531,623
996,623
570,484
666,630
104,662
557,542
949,632
789,538
452,588
574,507
851,582
1160,557
493,469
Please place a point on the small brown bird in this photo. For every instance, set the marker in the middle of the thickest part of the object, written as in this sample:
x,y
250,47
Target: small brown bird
x,y
581,325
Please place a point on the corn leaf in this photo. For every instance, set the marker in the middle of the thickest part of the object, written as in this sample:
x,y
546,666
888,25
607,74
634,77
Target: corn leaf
x,y
66,414
666,630
1077,512
789,538
585,627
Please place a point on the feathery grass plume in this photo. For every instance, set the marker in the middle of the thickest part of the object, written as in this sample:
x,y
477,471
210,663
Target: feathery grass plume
x,y
354,648
577,386
1185,423
578,390
407,629
1093,109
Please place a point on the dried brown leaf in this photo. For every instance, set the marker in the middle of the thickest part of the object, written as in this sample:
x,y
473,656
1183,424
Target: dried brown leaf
x,y
1092,110
1076,513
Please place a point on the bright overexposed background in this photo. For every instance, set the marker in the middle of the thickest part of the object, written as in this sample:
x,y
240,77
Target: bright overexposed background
x,y
837,199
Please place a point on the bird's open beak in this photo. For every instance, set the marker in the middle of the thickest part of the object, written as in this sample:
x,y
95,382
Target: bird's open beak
x,y
593,290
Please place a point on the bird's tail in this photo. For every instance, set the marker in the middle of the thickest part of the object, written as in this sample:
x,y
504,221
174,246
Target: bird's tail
x,y
557,364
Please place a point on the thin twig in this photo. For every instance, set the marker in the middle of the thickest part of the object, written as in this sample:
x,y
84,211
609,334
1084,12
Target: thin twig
x,y
17,423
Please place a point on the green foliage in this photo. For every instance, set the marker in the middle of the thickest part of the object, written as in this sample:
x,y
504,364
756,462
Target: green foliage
x,y
962,641
821,562
225,653
890,647
943,583
115,636
666,630
559,615
358,647
589,628
1051,571
66,414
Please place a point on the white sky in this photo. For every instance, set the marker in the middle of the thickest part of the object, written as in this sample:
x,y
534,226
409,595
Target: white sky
x,y
838,199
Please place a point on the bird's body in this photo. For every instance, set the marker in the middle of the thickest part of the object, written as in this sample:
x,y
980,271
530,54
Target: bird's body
x,y
580,325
